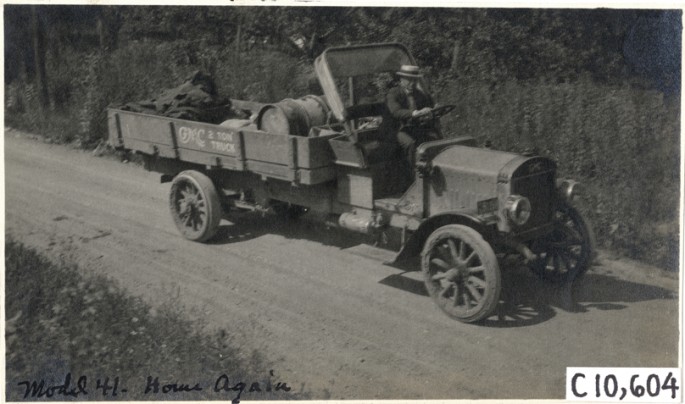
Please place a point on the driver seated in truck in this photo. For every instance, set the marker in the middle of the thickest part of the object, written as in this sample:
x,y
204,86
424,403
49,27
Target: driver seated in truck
x,y
406,104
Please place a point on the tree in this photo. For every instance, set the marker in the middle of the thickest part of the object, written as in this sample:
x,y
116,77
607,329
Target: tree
x,y
38,39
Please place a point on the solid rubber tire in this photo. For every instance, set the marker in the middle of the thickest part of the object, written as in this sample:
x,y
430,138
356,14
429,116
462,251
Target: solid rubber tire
x,y
209,193
488,260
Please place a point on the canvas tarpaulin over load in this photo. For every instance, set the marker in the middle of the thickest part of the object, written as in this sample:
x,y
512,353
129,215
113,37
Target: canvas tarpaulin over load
x,y
196,99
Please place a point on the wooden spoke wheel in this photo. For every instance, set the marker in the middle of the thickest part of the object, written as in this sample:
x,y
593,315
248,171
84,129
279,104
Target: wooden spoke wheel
x,y
195,205
565,253
461,273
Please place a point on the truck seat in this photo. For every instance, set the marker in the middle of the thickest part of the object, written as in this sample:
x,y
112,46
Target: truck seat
x,y
372,145
376,151
369,147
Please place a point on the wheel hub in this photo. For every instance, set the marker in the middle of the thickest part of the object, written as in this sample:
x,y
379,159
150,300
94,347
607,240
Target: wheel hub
x,y
188,204
457,274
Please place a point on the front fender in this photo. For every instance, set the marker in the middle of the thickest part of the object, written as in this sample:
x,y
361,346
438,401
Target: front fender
x,y
414,245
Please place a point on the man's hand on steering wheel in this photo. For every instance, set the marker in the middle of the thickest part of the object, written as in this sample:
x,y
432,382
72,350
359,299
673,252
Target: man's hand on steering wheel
x,y
442,110
420,112
429,114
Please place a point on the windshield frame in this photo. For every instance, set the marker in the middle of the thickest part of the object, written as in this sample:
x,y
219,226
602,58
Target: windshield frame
x,y
347,62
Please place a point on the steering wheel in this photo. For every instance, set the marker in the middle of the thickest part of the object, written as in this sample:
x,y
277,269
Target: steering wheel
x,y
434,113
440,111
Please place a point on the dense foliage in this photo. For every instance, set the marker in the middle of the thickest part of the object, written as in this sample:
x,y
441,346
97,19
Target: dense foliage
x,y
598,90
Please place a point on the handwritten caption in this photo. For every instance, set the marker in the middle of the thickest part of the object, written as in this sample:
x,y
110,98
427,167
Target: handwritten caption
x,y
153,386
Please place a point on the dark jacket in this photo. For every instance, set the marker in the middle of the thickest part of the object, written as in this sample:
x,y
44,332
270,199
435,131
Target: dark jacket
x,y
398,114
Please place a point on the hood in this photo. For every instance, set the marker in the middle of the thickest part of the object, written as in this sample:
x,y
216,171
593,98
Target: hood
x,y
483,163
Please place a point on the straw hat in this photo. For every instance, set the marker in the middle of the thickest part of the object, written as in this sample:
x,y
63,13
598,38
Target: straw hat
x,y
409,71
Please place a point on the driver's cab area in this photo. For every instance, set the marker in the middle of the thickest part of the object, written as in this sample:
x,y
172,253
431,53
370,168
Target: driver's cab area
x,y
355,80
365,108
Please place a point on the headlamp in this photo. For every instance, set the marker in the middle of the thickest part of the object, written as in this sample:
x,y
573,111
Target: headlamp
x,y
518,209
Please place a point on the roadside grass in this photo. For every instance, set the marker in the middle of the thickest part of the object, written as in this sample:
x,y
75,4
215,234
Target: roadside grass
x,y
60,321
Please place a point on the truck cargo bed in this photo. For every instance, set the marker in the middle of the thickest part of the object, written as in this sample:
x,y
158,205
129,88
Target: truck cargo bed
x,y
305,160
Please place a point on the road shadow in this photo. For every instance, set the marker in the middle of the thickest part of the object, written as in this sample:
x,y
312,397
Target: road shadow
x,y
523,294
607,292
526,300
521,303
401,281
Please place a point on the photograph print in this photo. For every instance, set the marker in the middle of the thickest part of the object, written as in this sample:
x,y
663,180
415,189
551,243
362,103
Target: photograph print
x,y
330,203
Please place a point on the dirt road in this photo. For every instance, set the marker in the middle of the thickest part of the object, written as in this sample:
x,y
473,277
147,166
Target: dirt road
x,y
330,315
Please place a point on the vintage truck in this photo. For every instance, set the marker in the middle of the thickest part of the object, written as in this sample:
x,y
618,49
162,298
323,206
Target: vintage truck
x,y
326,156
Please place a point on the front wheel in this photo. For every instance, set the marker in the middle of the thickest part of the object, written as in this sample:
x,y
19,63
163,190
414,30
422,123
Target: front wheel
x,y
566,253
195,205
461,273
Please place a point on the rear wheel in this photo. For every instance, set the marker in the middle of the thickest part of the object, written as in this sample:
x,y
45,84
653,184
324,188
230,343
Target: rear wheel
x,y
567,251
461,273
195,205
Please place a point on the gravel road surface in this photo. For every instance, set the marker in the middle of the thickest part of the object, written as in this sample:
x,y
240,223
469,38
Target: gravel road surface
x,y
330,315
